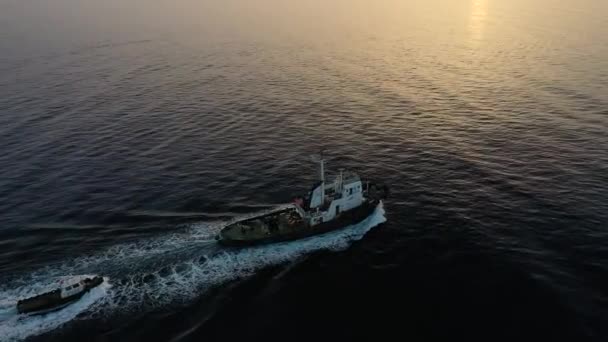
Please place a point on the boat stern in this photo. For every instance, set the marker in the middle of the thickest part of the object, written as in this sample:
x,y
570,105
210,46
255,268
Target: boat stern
x,y
230,234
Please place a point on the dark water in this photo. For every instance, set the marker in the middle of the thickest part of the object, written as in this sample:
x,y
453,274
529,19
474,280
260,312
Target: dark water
x,y
130,131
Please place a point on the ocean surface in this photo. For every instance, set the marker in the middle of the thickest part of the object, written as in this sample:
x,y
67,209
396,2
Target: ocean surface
x,y
131,131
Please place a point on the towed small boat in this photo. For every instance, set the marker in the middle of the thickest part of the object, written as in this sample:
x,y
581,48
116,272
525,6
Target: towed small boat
x,y
58,298
341,201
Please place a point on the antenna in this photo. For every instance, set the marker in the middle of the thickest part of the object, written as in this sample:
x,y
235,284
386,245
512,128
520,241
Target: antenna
x,y
319,158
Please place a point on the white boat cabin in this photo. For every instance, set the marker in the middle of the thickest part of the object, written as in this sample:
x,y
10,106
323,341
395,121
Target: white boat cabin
x,y
329,199
72,289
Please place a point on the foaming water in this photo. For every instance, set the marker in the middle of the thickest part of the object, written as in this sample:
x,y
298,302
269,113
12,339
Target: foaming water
x,y
186,279
160,272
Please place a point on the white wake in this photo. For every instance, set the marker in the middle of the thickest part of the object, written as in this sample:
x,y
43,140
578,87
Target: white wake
x,y
155,273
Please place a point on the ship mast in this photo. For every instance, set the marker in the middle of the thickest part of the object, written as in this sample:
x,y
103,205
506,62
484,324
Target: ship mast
x,y
322,166
340,181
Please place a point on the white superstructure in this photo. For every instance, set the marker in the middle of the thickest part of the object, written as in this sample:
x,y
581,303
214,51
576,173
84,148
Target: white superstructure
x,y
329,199
72,289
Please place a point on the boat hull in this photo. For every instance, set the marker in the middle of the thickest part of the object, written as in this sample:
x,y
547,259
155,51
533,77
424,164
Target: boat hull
x,y
345,219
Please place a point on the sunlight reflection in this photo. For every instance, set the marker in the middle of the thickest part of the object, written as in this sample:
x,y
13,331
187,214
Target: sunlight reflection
x,y
477,20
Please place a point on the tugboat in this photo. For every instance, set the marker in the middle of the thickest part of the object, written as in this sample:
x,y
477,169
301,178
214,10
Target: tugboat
x,y
58,298
343,200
